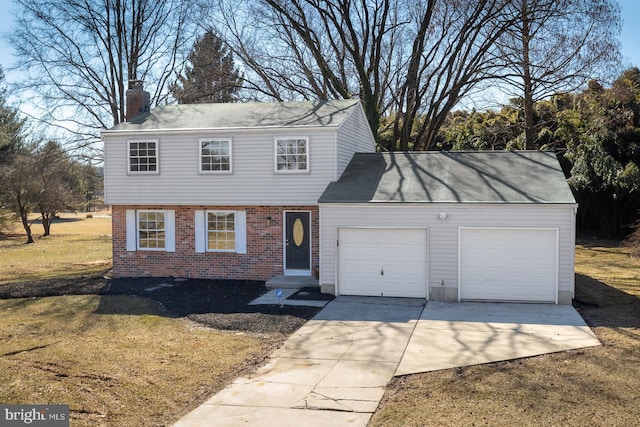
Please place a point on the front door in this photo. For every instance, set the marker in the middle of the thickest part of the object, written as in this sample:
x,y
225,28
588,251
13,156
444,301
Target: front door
x,y
297,243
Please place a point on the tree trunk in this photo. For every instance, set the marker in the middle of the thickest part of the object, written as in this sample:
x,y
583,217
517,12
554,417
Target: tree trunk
x,y
25,223
527,104
46,223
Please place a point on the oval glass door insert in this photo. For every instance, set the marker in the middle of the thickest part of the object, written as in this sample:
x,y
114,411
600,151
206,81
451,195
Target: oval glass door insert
x,y
298,232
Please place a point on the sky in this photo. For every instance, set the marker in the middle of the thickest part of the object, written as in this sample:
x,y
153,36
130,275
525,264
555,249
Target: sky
x,y
630,37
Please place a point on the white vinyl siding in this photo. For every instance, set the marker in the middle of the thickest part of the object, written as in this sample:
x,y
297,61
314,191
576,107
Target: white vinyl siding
x,y
443,233
212,232
150,230
253,181
353,136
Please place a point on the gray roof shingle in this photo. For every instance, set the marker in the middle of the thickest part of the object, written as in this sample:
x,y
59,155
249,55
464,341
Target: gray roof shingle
x,y
451,177
241,116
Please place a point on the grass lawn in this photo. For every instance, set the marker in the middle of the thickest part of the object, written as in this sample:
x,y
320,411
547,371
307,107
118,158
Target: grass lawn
x,y
115,360
77,246
598,386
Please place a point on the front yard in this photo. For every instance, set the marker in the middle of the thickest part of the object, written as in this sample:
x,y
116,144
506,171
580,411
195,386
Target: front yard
x,y
119,354
115,356
597,386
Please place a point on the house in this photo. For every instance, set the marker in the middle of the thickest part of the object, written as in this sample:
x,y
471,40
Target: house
x,y
253,191
225,190
494,225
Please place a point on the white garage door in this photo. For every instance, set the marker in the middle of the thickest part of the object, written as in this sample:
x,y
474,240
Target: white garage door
x,y
507,264
382,262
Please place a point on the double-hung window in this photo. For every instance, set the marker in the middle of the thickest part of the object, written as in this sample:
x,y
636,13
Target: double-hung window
x,y
143,156
221,231
215,155
150,230
292,155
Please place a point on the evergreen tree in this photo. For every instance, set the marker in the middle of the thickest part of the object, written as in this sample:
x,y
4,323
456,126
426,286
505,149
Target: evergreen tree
x,y
11,134
211,75
11,126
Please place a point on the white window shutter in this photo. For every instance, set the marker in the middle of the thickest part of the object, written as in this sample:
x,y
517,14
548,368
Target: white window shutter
x,y
200,232
241,231
130,230
170,231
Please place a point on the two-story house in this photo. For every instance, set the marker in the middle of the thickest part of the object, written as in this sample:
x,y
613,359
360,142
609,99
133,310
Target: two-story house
x,y
254,191
226,190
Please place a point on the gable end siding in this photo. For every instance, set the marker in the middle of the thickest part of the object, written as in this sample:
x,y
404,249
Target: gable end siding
x,y
354,136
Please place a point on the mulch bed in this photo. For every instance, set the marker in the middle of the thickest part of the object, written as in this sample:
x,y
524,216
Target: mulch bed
x,y
219,304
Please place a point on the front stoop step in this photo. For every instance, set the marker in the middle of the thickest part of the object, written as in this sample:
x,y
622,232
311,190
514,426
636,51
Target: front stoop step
x,y
292,282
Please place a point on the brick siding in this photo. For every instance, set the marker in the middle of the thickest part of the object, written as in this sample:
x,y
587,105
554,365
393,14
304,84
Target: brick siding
x,y
263,260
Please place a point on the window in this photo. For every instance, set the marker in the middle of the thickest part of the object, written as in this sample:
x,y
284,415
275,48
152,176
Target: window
x,y
215,155
151,230
143,156
221,232
292,155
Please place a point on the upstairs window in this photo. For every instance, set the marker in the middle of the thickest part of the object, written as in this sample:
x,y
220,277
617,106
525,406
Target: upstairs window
x,y
215,155
143,156
292,155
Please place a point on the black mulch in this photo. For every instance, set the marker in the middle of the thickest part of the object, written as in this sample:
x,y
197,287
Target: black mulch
x,y
220,304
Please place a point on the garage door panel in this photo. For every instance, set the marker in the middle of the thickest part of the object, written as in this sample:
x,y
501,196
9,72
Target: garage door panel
x,y
378,261
508,264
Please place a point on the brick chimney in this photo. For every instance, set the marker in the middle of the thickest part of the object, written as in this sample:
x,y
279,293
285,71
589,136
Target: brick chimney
x,y
138,100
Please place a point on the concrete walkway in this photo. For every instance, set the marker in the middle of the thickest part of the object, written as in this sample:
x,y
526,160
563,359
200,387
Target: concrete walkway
x,y
333,370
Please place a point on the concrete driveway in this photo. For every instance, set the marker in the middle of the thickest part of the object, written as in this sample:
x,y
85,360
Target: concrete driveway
x,y
450,335
333,370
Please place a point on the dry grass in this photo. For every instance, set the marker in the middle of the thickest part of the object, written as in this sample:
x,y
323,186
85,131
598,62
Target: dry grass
x,y
597,386
77,246
115,360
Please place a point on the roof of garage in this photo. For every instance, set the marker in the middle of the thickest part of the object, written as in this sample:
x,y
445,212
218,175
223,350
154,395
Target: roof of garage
x,y
451,177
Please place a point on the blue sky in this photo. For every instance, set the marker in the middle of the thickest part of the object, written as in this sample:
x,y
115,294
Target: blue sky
x,y
630,37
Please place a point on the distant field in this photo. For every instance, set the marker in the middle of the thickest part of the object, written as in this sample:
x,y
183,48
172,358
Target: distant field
x,y
77,246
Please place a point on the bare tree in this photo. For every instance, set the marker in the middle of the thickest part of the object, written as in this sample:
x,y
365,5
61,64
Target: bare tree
x,y
52,178
77,57
19,189
452,51
406,60
557,46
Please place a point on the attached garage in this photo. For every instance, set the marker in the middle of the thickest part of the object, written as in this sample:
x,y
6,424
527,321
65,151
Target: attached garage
x,y
452,226
382,262
508,264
